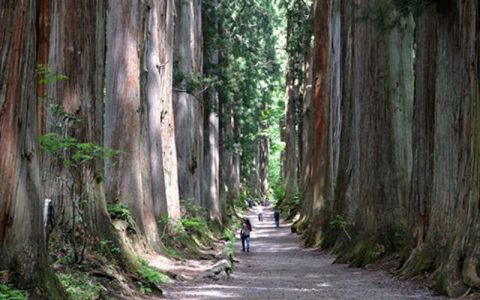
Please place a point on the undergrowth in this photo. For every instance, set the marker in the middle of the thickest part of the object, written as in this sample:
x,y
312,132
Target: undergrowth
x,y
7,292
150,274
120,212
80,287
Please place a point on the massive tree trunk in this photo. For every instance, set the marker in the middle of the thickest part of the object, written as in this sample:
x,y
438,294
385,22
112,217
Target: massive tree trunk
x,y
444,201
77,50
187,99
22,241
128,177
316,194
211,182
158,63
382,68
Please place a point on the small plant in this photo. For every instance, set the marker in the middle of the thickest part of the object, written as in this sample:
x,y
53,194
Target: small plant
x,y
7,292
80,287
108,248
340,222
73,153
151,275
47,76
192,83
120,212
194,225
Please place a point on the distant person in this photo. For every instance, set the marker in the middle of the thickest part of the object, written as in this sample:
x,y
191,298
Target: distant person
x,y
260,214
245,234
276,216
250,202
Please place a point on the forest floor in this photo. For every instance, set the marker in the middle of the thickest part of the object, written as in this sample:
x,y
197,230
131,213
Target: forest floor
x,y
277,267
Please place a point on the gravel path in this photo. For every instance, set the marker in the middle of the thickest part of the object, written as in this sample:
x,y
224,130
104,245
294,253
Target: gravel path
x,y
277,267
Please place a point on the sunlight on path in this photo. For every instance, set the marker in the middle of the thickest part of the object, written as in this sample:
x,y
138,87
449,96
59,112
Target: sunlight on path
x,y
278,268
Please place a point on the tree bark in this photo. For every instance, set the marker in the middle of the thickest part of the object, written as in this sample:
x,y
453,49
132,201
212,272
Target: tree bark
x,y
211,186
128,177
22,248
318,191
187,99
158,63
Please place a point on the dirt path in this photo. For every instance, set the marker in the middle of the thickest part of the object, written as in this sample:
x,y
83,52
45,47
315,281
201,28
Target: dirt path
x,y
278,268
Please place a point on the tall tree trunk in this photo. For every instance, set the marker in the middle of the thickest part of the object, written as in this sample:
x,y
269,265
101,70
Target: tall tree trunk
x,y
80,55
263,148
187,100
318,191
212,202
158,62
128,177
444,208
290,159
382,69
22,248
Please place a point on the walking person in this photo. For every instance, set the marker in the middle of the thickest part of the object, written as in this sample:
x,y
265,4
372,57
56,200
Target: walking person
x,y
260,214
245,234
276,216
250,202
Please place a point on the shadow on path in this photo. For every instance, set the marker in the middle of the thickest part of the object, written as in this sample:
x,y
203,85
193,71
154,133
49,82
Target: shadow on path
x,y
277,267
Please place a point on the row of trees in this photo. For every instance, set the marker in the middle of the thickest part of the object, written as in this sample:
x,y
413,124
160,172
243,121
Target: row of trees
x,y
390,135
141,103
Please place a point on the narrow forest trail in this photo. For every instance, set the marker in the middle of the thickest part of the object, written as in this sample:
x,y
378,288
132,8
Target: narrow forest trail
x,y
279,268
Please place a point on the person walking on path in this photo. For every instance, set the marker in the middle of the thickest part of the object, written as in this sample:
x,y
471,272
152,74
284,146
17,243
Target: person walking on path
x,y
276,216
245,234
250,202
260,214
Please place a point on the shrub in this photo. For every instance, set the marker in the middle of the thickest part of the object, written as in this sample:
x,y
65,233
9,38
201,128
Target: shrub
x,y
9,293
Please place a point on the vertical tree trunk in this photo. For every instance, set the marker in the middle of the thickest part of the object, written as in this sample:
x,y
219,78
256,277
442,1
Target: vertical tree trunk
x,y
318,191
187,100
445,207
263,148
22,248
80,55
211,186
158,62
128,177
290,159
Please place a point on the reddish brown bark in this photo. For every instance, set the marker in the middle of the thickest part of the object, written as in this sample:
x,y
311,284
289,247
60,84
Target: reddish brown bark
x,y
319,191
43,37
22,248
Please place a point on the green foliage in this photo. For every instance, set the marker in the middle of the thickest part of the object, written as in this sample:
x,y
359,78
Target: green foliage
x,y
279,192
248,76
80,287
7,292
120,212
73,153
191,83
151,275
108,248
47,76
340,222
